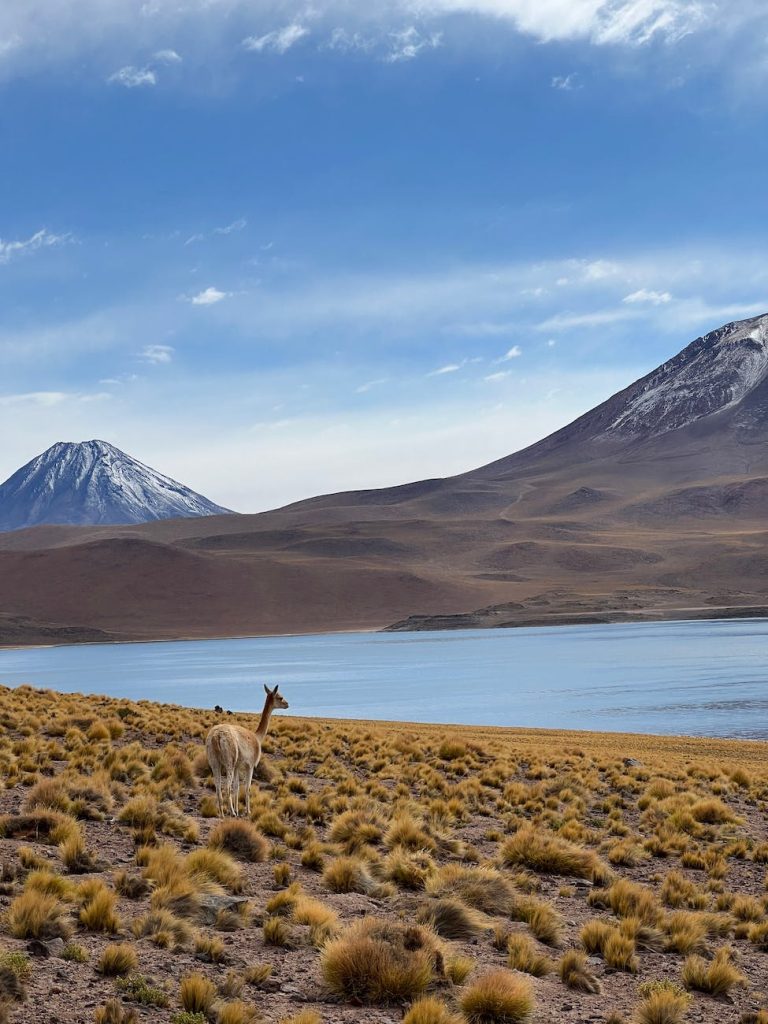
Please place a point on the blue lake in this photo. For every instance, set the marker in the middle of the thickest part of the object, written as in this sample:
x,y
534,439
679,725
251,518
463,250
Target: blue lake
x,y
694,678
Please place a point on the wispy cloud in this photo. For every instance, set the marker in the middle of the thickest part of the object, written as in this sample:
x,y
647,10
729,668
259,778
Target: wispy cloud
x,y
513,353
47,399
157,354
648,295
167,57
42,239
492,378
566,83
278,41
134,78
448,368
409,43
228,229
208,297
369,385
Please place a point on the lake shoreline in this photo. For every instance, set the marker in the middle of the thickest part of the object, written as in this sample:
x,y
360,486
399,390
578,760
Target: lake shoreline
x,y
443,623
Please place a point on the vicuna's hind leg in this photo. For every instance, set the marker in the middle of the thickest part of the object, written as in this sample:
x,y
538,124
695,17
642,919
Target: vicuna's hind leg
x,y
231,775
219,795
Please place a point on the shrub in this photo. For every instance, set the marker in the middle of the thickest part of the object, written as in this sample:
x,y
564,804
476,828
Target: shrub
x,y
347,874
524,956
498,997
551,855
215,866
113,1012
235,1012
75,953
451,919
99,914
485,889
663,1002
716,977
35,915
575,973
378,961
117,959
197,993
139,989
429,1010
242,839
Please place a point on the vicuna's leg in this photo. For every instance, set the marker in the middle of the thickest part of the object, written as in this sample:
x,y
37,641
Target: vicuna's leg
x,y
219,798
248,781
230,789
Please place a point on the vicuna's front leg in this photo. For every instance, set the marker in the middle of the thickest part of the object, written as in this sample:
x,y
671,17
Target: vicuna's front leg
x,y
248,781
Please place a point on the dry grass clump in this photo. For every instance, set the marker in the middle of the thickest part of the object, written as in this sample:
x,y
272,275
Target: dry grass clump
x,y
452,919
197,993
524,956
429,1010
117,959
575,973
113,1012
242,839
485,889
716,977
36,915
498,997
548,854
662,1002
380,961
347,874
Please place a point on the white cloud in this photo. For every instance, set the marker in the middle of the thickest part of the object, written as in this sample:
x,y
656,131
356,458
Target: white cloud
x,y
646,295
567,83
598,318
278,41
42,239
499,375
167,57
156,354
448,368
47,399
370,384
208,297
513,353
228,229
409,43
133,78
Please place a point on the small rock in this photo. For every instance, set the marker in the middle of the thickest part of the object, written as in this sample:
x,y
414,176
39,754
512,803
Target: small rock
x,y
211,905
53,947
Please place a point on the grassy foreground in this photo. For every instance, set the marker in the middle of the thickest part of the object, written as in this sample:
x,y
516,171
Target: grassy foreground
x,y
440,875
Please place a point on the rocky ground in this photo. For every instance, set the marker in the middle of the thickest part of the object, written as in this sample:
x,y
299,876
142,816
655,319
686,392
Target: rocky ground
x,y
466,837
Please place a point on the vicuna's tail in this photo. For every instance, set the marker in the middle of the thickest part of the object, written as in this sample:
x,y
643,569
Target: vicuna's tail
x,y
221,749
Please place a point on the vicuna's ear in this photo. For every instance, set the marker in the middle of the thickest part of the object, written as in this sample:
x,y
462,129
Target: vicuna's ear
x,y
275,689
267,690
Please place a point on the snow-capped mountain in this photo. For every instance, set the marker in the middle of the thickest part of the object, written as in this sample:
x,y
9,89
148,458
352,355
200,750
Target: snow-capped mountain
x,y
712,374
93,482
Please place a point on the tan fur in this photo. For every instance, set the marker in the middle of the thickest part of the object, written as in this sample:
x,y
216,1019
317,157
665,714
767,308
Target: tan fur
x,y
234,752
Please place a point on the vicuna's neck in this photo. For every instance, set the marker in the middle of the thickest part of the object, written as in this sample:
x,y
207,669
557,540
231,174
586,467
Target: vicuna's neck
x,y
266,714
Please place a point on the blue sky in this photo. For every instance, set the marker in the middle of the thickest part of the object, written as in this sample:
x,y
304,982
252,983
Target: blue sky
x,y
279,249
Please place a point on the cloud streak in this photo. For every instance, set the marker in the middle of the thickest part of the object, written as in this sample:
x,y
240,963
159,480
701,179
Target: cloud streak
x,y
42,239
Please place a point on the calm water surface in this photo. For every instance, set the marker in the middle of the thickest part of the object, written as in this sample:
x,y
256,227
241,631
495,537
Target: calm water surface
x,y
697,678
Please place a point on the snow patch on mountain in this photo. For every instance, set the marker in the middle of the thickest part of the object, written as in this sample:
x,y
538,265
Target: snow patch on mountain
x,y
93,482
713,373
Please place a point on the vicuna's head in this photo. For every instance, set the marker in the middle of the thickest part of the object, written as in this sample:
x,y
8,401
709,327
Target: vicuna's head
x,y
277,700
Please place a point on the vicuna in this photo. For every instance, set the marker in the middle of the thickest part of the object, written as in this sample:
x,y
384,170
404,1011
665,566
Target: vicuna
x,y
233,753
